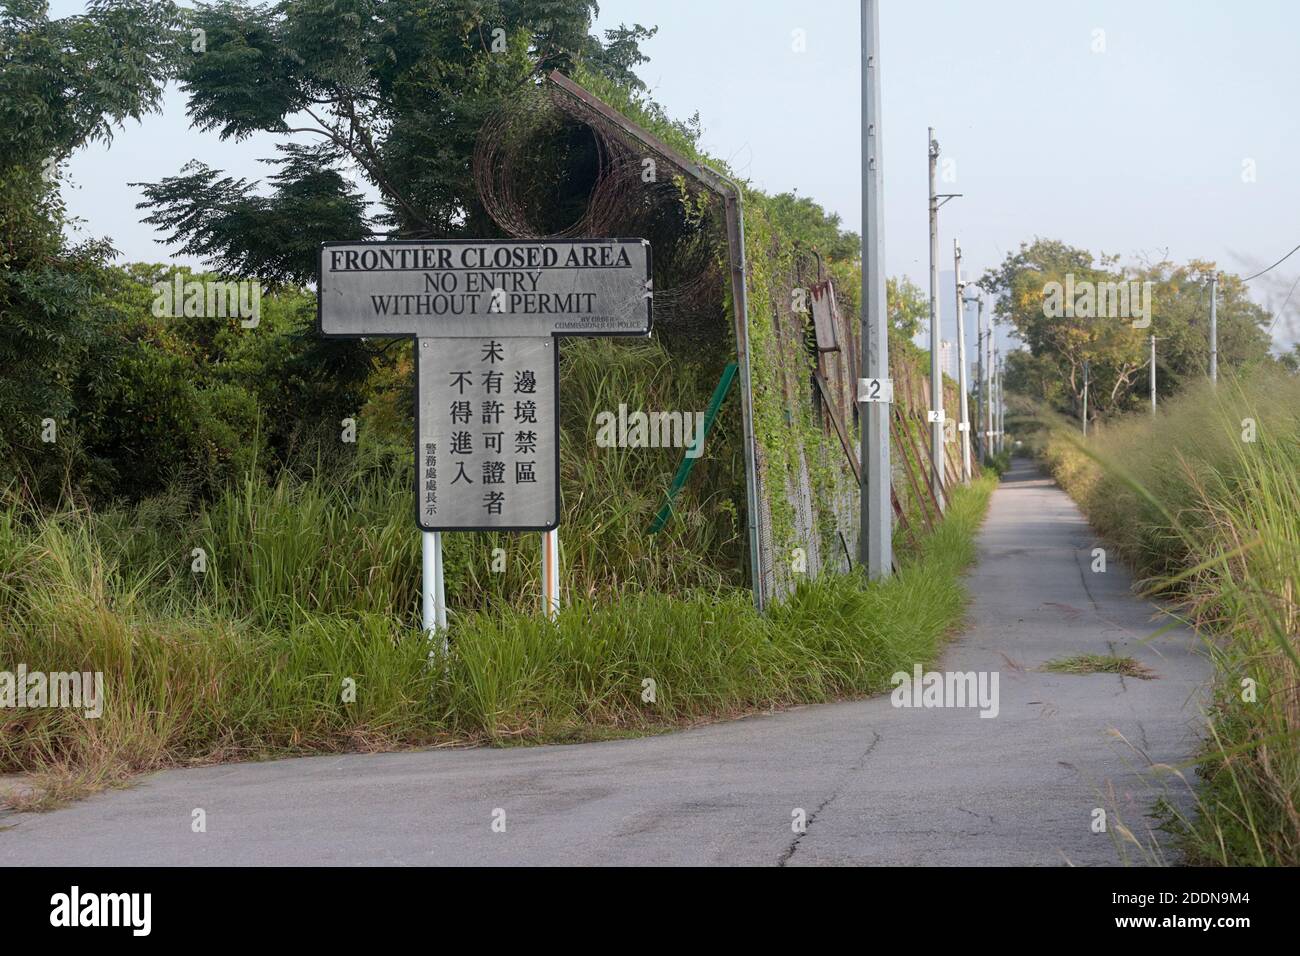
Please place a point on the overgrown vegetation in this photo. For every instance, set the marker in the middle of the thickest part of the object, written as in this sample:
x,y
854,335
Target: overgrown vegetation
x,y
1101,664
263,669
1204,500
394,94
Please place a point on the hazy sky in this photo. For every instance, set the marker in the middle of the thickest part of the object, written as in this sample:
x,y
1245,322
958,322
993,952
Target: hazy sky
x,y
1137,127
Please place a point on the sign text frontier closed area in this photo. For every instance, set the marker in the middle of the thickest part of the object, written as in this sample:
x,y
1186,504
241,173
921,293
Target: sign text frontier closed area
x,y
485,316
478,289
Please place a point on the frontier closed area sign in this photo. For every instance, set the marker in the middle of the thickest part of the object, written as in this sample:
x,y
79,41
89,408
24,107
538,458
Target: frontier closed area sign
x,y
482,289
486,316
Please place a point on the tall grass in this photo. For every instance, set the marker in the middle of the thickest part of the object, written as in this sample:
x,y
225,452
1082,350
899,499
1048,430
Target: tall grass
x,y
335,536
1204,500
302,634
197,673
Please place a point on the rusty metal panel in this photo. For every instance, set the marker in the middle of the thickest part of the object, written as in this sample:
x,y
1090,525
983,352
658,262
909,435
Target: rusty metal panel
x,y
826,318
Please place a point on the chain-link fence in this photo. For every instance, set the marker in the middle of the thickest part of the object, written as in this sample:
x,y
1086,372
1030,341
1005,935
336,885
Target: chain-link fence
x,y
799,338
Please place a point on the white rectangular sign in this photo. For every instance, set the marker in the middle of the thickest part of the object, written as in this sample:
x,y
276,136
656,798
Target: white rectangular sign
x,y
474,289
875,390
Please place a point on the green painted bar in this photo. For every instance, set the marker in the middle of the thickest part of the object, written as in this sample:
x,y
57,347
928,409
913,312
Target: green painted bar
x,y
684,470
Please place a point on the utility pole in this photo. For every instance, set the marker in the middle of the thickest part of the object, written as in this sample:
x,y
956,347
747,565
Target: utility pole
x,y
993,398
982,439
963,424
997,400
936,371
1002,406
875,545
991,343
1214,327
1085,398
1153,375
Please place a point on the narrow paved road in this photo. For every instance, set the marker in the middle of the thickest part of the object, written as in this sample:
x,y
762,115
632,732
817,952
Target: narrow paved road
x,y
879,785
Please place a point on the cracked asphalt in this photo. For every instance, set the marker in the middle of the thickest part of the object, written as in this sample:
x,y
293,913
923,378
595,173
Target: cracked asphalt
x,y
877,784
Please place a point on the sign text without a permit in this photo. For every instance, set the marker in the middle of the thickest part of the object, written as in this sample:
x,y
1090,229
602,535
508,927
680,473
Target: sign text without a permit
x,y
476,289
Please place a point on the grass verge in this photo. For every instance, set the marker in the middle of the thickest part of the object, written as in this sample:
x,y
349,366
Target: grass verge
x,y
1204,500
195,684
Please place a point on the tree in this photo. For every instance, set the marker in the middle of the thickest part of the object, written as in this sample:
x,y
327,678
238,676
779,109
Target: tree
x,y
909,307
397,90
1113,347
1070,308
72,81
276,237
63,83
805,221
393,93
1034,376
1291,360
620,55
1182,322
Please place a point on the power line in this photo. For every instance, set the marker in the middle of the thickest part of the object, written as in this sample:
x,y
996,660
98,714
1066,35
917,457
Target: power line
x,y
1273,266
1278,314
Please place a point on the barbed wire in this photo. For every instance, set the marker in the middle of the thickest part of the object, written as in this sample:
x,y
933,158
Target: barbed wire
x,y
632,194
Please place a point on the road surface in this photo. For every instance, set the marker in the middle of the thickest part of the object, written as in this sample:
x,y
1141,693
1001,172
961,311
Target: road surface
x,y
877,784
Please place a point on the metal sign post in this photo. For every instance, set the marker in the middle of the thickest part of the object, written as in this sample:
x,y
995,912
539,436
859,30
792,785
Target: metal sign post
x,y
551,573
433,598
429,571
486,316
440,593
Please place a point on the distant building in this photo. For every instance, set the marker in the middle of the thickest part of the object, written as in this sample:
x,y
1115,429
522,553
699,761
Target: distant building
x,y
948,358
